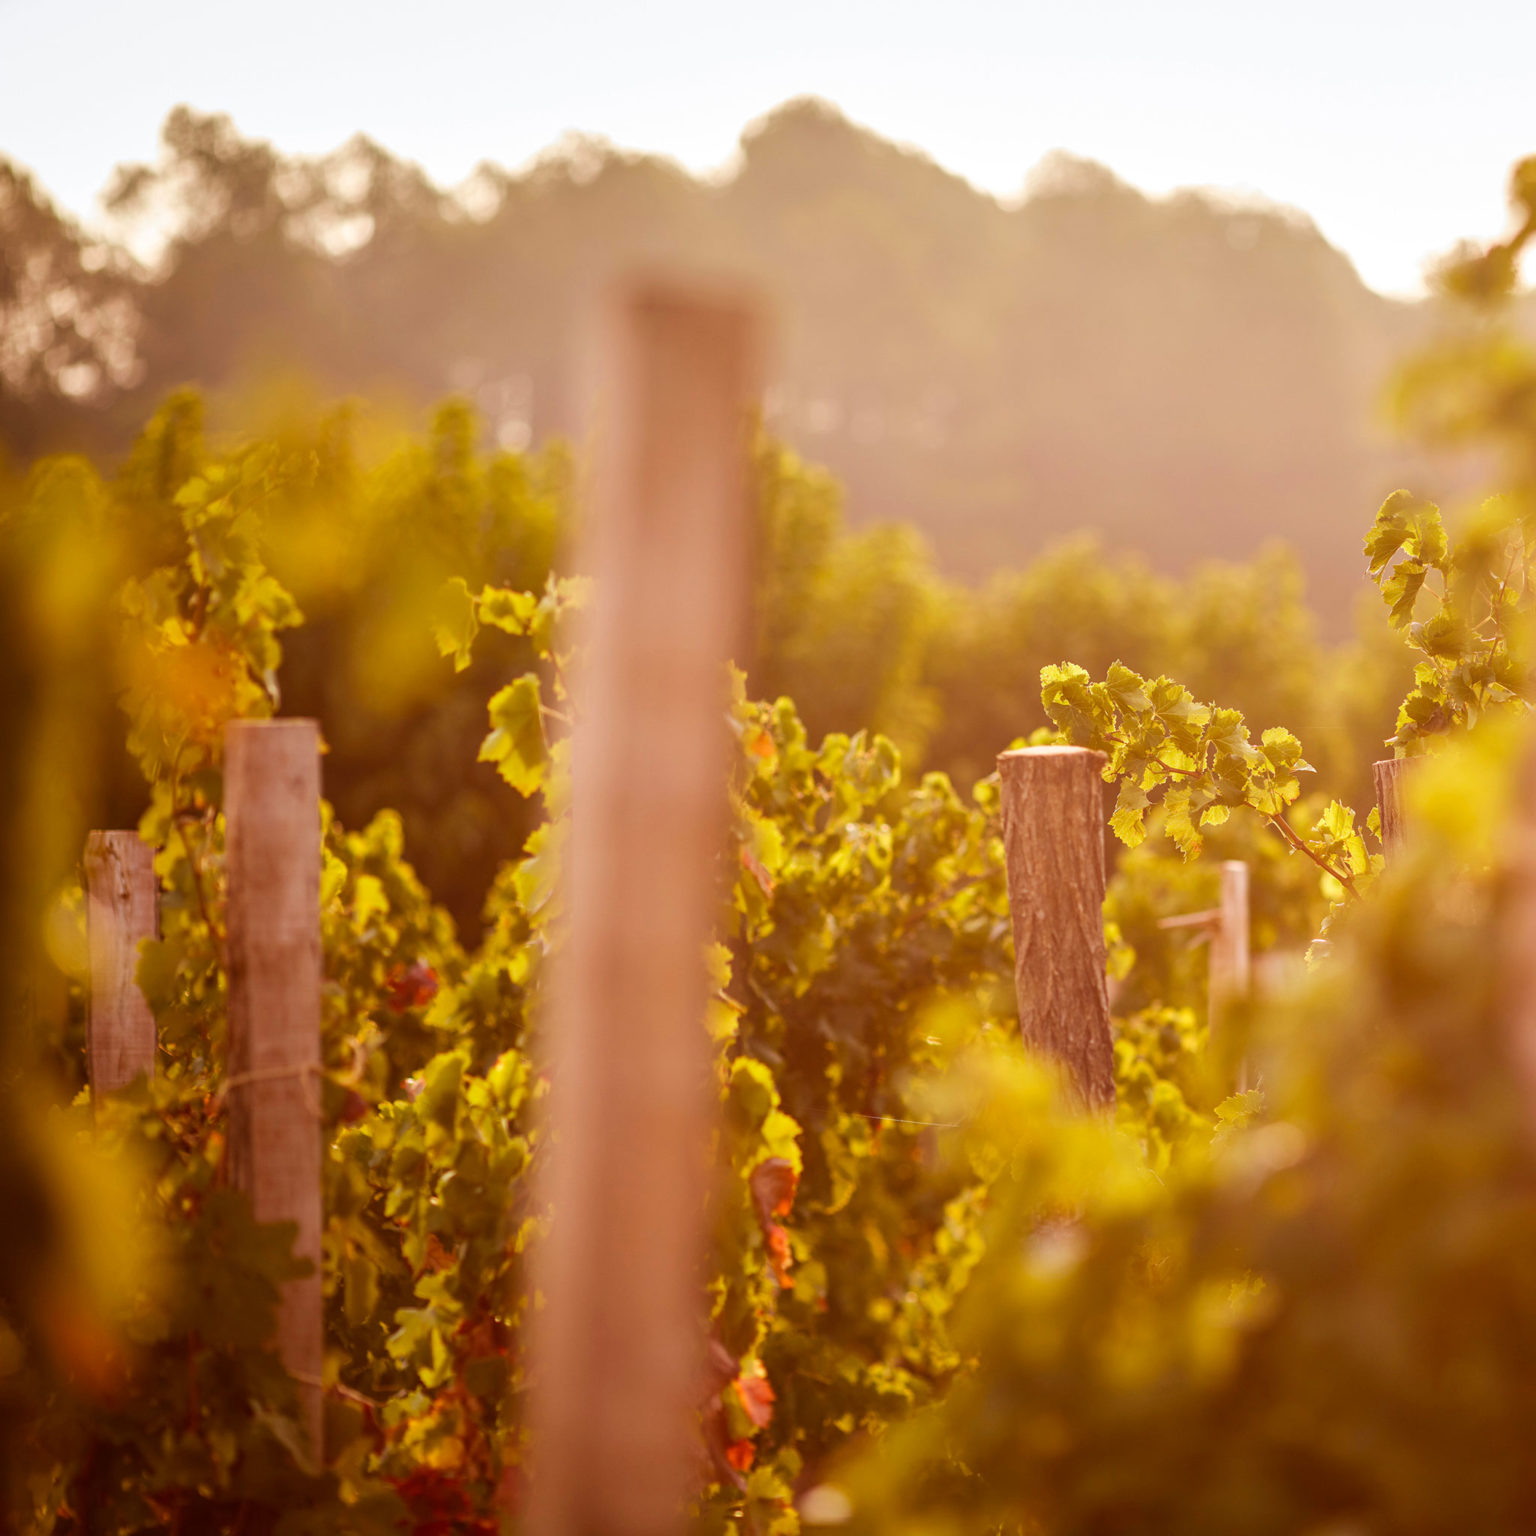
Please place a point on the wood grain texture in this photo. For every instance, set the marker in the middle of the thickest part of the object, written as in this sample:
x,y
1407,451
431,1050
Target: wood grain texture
x,y
1390,774
121,897
618,1346
1053,840
272,838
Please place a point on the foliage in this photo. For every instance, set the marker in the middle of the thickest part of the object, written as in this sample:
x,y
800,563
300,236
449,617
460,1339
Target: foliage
x,y
1198,762
1312,1325
994,374
1153,882
1471,640
1242,633
847,621
1218,1312
837,1254
863,915
857,627
428,1100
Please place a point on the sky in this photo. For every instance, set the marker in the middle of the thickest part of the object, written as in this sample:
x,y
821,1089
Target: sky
x,y
1392,125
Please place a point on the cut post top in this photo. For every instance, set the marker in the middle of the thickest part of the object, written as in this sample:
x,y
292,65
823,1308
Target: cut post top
x,y
285,723
1015,753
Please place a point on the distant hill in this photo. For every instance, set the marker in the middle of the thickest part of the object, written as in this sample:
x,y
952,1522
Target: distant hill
x,y
1185,375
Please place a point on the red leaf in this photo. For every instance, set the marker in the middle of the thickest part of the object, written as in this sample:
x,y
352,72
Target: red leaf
x,y
758,870
778,1253
773,1183
437,1257
439,1504
411,986
482,1337
755,1394
739,1454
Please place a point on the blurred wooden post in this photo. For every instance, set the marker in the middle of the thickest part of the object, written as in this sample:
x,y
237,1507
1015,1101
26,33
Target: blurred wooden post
x,y
1053,840
1390,773
272,840
1230,967
618,1347
120,895
1516,960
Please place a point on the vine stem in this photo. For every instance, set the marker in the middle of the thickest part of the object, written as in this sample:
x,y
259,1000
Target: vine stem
x,y
1280,824
180,816
1496,608
1283,827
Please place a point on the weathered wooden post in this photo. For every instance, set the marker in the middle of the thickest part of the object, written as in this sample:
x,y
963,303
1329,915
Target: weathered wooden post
x,y
1230,969
1516,960
272,840
1390,774
120,897
1230,972
1053,839
618,1349
1230,966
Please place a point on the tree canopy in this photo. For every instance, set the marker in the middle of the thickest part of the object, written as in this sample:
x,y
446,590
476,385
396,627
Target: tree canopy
x,y
1173,373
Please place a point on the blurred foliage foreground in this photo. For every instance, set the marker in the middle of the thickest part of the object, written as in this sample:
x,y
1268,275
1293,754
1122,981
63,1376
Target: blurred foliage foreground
x,y
939,1300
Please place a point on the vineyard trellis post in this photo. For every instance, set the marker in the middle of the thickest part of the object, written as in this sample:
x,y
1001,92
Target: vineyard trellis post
x,y
1389,774
1516,959
1053,840
618,1346
1230,961
272,841
121,911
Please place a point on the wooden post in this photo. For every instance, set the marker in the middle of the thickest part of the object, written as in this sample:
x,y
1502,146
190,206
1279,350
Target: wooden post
x,y
1230,968
1389,775
272,839
1516,959
120,896
1053,840
619,1342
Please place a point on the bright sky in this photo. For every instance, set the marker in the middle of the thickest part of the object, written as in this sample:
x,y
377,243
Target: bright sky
x,y
1393,125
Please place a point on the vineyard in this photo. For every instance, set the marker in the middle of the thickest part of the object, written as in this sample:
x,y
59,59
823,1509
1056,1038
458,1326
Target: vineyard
x,y
1179,1180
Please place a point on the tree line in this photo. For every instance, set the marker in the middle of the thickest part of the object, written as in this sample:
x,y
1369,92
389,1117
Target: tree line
x,y
1174,374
